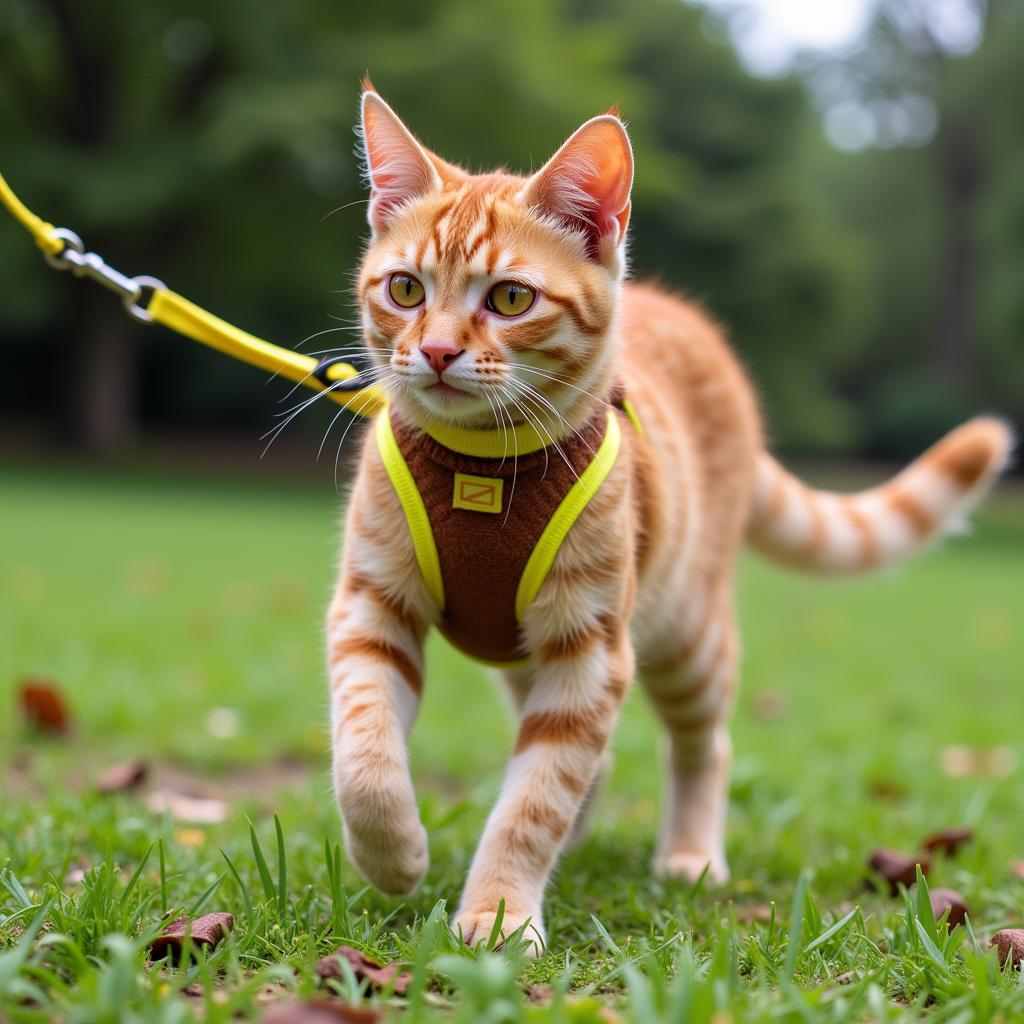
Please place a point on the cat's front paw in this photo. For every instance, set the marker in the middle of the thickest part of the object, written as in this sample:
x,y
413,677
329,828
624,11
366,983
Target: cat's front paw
x,y
476,926
393,862
688,867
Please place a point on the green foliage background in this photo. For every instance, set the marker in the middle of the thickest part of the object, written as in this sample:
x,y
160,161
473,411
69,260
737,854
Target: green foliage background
x,y
211,144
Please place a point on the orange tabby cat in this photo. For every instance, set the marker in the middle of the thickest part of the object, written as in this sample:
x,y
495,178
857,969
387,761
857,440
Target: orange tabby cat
x,y
495,312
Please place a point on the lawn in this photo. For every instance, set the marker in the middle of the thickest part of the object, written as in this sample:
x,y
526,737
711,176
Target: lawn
x,y
182,620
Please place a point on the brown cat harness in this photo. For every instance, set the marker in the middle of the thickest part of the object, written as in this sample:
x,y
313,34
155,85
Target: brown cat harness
x,y
486,524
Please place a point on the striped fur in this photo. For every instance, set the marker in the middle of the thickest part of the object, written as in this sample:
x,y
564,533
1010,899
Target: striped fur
x,y
833,533
643,580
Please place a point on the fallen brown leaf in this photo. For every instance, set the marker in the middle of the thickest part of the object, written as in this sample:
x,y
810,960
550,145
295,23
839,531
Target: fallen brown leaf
x,y
194,809
43,706
949,899
898,868
207,930
1010,943
321,1011
364,969
769,705
887,789
540,995
127,775
995,762
948,841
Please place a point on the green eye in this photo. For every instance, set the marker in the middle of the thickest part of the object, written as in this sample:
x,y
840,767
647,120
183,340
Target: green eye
x,y
405,290
510,299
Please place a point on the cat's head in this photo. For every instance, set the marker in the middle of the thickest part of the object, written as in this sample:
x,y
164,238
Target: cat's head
x,y
486,298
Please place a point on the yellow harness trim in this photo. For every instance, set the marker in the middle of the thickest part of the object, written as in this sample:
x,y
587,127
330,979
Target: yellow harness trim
x,y
177,313
489,444
634,416
412,505
572,505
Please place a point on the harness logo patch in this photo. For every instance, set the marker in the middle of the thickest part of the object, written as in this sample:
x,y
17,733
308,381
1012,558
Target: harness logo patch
x,y
477,493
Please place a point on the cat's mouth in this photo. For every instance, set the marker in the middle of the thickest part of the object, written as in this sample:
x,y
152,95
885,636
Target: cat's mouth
x,y
446,393
442,387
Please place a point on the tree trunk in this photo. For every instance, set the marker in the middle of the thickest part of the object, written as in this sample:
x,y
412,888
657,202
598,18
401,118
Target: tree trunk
x,y
100,411
961,179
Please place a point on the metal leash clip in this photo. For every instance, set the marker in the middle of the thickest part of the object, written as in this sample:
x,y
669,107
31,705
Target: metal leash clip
x,y
135,292
354,383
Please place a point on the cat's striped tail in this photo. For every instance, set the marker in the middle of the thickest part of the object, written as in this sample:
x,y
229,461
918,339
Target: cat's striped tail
x,y
824,532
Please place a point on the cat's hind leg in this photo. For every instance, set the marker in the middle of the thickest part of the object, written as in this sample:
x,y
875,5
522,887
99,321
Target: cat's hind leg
x,y
691,688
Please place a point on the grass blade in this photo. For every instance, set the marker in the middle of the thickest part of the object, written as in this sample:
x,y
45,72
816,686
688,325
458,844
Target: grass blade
x,y
796,928
261,864
241,885
282,869
495,937
204,899
163,878
134,880
830,932
605,937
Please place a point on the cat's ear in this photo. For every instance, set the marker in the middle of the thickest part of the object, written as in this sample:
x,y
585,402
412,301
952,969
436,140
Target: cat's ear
x,y
586,185
398,167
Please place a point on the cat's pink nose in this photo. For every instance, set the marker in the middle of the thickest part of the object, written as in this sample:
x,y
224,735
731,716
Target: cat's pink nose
x,y
440,354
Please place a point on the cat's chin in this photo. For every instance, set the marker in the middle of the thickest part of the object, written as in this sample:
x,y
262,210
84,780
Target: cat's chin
x,y
452,405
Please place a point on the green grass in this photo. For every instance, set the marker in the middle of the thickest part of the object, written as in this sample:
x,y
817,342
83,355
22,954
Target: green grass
x,y
153,603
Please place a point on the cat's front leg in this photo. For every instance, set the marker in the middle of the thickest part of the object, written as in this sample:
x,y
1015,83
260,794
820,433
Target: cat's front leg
x,y
566,723
376,671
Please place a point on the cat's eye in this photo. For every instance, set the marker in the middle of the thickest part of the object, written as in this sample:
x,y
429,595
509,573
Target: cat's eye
x,y
510,299
405,290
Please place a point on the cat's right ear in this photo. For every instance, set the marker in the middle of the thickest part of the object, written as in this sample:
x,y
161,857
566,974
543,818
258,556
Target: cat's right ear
x,y
398,167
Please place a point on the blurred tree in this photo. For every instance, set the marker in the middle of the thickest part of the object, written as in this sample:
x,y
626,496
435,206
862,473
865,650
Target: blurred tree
x,y
937,200
212,146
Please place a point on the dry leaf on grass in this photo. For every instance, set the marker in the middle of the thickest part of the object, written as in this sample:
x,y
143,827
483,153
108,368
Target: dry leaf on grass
x,y
887,789
994,762
321,1011
948,841
898,868
539,995
769,705
194,809
1010,943
207,930
43,706
949,899
364,969
120,778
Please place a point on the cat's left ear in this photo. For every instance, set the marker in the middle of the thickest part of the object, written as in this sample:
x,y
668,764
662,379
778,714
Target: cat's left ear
x,y
586,185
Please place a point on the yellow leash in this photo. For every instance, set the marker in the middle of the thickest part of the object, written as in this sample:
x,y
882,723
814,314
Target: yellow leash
x,y
148,300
